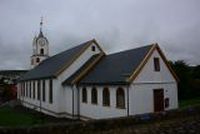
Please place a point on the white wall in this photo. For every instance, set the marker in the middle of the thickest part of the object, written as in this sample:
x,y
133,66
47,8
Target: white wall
x,y
36,104
98,111
65,104
62,96
141,90
141,97
149,75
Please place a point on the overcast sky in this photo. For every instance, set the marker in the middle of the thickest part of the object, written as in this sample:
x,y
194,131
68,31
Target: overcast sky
x,y
116,24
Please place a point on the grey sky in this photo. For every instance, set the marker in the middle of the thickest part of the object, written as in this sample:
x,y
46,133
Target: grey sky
x,y
116,24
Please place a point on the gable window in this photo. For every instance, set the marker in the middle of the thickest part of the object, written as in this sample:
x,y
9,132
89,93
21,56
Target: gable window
x,y
106,97
93,48
94,96
120,98
43,90
50,91
84,95
33,89
38,90
37,60
156,64
42,51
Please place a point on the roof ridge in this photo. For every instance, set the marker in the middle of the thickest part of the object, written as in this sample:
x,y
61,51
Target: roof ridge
x,y
123,51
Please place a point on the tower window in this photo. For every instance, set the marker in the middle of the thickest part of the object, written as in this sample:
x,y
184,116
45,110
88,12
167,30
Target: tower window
x,y
42,51
38,60
93,48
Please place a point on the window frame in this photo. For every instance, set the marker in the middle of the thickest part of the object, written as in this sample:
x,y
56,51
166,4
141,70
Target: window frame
x,y
84,95
50,91
94,96
38,90
106,97
156,61
120,93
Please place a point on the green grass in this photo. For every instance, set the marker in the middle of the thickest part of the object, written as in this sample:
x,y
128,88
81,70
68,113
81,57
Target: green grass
x,y
189,102
11,117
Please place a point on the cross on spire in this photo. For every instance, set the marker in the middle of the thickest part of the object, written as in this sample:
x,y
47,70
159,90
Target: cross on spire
x,y
41,23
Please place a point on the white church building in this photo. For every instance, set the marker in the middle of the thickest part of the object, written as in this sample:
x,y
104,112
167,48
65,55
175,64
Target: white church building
x,y
86,83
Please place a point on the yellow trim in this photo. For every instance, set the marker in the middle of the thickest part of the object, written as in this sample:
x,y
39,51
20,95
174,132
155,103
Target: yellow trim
x,y
88,68
142,64
167,64
76,56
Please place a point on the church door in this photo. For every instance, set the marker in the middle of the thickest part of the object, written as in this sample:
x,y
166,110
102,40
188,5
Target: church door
x,y
158,100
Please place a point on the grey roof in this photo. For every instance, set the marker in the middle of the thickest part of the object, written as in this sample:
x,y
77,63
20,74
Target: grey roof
x,y
74,76
116,68
49,67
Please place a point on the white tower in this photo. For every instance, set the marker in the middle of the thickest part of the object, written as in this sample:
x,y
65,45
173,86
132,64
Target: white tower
x,y
40,48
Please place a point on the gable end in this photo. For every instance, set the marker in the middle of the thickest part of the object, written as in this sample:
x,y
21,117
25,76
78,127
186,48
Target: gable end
x,y
146,59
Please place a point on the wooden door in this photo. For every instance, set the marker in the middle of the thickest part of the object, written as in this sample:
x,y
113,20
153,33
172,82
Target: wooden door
x,y
158,100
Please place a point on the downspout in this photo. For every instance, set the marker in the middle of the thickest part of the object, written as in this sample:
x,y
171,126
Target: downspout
x,y
78,101
128,100
72,101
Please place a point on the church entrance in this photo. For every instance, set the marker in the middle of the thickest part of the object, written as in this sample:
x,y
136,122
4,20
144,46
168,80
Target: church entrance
x,y
158,100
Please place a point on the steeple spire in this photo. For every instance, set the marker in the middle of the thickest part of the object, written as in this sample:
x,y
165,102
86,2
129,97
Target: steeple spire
x,y
41,23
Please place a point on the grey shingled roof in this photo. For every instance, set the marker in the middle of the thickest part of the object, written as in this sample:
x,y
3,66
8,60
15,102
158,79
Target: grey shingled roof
x,y
49,67
116,68
74,76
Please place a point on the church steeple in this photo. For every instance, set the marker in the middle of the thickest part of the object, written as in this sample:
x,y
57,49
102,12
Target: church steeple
x,y
40,48
41,23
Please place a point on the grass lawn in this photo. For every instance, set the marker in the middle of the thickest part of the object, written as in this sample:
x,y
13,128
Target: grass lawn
x,y
11,117
21,116
189,102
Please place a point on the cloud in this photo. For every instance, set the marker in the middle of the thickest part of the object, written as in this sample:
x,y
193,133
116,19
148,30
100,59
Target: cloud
x,y
117,25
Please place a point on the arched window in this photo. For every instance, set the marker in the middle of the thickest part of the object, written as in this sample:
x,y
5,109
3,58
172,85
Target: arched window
x,y
42,51
38,60
84,95
120,98
106,97
94,96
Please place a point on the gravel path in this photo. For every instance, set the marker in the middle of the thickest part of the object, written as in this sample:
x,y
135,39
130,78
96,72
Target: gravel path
x,y
187,125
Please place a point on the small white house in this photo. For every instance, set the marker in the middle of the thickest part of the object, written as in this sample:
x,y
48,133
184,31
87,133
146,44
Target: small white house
x,y
84,82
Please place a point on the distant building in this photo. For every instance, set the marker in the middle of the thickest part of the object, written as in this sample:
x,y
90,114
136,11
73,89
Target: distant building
x,y
8,81
84,82
11,76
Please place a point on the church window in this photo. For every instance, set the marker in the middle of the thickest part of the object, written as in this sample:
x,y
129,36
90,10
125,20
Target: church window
x,y
38,90
26,89
94,96
30,88
38,60
42,51
43,90
33,89
93,48
120,98
84,95
106,97
156,64
50,91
